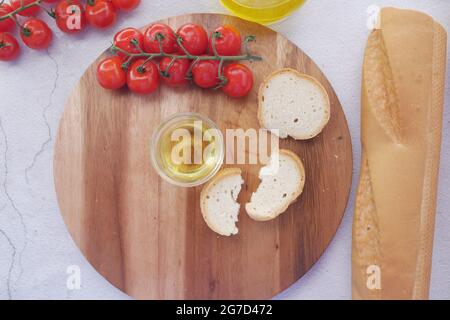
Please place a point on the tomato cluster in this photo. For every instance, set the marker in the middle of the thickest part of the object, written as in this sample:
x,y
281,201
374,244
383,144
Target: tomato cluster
x,y
71,16
143,60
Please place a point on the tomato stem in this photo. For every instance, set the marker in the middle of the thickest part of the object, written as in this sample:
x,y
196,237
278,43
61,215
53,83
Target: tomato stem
x,y
180,44
26,32
189,72
127,63
222,79
4,44
160,37
17,22
141,69
51,13
20,9
215,36
165,73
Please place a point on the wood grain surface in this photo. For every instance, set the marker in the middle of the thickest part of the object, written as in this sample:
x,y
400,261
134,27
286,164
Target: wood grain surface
x,y
147,237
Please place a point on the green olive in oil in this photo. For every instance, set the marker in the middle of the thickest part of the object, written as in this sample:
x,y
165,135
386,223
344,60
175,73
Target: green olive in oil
x,y
187,149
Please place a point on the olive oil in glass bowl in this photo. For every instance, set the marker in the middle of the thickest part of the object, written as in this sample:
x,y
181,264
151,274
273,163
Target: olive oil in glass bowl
x,y
262,11
187,149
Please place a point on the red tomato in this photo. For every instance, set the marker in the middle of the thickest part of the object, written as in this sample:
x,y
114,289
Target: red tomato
x,y
70,16
123,39
7,24
110,73
9,47
126,4
205,73
36,34
101,13
228,42
176,74
151,44
193,38
32,11
240,80
143,79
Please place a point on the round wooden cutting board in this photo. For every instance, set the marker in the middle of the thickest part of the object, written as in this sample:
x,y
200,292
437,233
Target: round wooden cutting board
x,y
147,237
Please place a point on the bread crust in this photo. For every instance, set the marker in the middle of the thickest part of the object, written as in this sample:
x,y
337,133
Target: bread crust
x,y
263,85
401,122
226,172
291,199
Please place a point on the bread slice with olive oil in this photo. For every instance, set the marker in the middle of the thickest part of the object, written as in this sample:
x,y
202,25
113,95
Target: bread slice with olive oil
x,y
277,189
293,104
218,201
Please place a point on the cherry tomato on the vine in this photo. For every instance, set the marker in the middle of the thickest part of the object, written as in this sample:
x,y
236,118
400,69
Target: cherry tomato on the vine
x,y
124,40
193,38
100,13
70,16
227,41
32,11
239,80
205,73
36,34
110,73
151,44
7,24
9,47
143,79
126,4
175,75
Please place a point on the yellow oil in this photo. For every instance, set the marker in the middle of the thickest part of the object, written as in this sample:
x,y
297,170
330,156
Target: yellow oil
x,y
262,11
187,151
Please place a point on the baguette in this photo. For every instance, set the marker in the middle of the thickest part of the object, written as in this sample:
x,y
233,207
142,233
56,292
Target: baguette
x,y
401,121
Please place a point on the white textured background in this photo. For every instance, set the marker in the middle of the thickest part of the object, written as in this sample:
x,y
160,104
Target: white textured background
x,y
35,247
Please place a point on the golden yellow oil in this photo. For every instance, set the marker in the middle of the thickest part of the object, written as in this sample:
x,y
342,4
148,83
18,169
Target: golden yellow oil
x,y
262,11
187,151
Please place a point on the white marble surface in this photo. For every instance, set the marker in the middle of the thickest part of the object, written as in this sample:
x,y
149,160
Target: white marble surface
x,y
35,247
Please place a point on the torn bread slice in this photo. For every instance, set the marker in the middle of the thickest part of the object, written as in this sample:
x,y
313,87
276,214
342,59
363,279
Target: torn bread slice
x,y
218,201
279,188
293,104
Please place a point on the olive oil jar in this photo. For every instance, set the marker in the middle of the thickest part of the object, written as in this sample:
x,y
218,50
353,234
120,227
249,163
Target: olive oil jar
x,y
262,11
187,149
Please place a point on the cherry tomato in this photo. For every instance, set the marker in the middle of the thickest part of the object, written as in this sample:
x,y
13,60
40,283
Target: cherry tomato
x,y
32,11
126,5
151,44
176,74
143,79
36,34
240,80
7,24
9,47
123,40
70,16
110,73
205,73
193,38
227,42
100,13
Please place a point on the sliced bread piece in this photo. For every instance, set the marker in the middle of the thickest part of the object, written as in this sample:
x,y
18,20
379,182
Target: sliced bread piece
x,y
295,104
279,189
218,201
